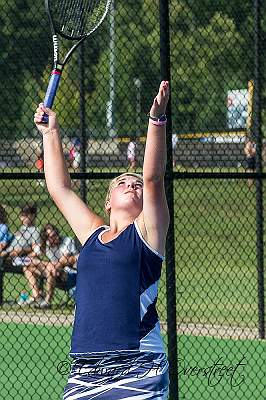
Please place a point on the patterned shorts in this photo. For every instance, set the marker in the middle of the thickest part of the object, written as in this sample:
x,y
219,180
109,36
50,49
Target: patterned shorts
x,y
135,376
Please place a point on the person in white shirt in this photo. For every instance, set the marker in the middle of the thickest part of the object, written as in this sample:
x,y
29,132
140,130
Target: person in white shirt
x,y
61,255
174,143
131,154
26,243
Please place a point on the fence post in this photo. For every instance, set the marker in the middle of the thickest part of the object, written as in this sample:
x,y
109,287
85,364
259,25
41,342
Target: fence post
x,y
170,243
259,181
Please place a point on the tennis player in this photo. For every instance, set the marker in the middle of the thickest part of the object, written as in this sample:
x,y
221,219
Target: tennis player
x,y
116,343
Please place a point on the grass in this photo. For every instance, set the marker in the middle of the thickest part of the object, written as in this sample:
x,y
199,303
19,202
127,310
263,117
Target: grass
x,y
31,355
221,376
216,283
215,246
215,228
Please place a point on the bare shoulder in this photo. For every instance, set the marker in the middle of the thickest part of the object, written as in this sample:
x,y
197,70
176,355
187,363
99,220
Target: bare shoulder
x,y
80,217
90,231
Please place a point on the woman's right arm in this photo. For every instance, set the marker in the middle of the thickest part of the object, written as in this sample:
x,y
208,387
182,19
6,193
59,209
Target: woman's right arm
x,y
81,219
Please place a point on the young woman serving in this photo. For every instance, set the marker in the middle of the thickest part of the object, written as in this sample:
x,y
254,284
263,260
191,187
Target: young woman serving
x,y
116,343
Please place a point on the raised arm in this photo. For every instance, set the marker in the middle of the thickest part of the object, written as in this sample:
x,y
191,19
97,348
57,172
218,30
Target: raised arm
x,y
81,219
154,220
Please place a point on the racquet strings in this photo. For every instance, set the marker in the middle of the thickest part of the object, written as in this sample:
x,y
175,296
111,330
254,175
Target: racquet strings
x,y
77,18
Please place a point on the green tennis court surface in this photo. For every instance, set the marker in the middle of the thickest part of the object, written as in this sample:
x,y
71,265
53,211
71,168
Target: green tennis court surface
x,y
215,254
30,355
211,368
208,367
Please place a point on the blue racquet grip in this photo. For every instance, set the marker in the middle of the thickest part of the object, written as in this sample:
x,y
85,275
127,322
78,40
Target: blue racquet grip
x,y
51,92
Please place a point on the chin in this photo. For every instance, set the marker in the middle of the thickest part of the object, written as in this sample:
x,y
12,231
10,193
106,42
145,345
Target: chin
x,y
136,209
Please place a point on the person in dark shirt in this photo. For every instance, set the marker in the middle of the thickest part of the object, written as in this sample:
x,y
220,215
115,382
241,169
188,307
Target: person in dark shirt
x,y
116,324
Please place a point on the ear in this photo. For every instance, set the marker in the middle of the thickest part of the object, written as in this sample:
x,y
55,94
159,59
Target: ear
x,y
108,206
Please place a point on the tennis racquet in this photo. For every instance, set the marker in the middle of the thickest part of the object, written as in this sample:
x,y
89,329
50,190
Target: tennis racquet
x,y
73,20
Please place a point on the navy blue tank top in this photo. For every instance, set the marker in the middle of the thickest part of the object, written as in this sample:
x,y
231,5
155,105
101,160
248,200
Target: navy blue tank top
x,y
116,294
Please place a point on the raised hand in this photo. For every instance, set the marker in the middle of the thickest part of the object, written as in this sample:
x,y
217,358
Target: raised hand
x,y
160,102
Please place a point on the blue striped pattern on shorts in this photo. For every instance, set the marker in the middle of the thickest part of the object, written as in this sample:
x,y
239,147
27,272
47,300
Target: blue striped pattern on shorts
x,y
119,376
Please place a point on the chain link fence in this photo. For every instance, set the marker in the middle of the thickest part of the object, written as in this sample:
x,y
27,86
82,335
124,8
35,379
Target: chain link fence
x,y
211,300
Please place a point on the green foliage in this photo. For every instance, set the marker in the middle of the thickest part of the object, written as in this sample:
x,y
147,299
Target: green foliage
x,y
212,51
208,66
22,59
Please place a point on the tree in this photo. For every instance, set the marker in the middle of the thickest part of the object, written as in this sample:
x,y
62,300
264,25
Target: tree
x,y
134,58
22,61
211,53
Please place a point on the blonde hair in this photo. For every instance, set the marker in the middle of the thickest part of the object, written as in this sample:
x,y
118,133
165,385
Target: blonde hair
x,y
113,183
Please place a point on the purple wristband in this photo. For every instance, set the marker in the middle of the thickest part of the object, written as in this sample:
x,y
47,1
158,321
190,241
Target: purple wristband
x,y
158,123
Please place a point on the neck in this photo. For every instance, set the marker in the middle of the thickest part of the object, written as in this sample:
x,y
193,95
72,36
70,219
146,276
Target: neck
x,y
120,220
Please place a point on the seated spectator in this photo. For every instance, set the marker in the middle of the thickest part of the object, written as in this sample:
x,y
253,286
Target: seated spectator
x,y
26,243
67,280
5,235
61,253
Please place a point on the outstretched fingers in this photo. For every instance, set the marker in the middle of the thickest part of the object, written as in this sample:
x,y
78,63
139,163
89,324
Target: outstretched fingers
x,y
163,94
161,100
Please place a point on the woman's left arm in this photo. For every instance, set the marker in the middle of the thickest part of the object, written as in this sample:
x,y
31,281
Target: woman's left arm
x,y
154,220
